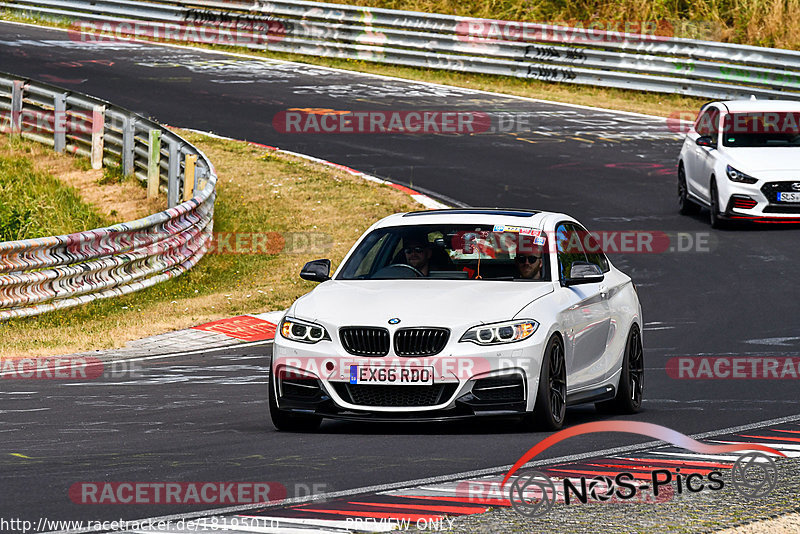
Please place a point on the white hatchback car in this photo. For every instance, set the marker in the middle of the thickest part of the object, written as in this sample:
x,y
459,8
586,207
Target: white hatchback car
x,y
741,160
449,314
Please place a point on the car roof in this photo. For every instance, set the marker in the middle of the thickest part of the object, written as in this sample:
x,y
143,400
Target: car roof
x,y
496,216
750,106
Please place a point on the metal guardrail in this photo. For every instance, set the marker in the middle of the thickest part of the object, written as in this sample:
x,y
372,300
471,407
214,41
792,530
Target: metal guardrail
x,y
522,50
40,275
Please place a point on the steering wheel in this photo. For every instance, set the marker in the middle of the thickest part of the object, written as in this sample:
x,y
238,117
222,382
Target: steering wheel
x,y
387,270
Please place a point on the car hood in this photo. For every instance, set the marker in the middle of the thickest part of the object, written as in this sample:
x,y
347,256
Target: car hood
x,y
754,160
417,302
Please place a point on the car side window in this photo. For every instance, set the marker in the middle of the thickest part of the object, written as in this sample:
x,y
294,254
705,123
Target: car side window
x,y
594,253
367,263
569,248
707,123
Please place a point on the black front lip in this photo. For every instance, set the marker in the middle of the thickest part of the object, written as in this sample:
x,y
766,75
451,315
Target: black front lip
x,y
424,417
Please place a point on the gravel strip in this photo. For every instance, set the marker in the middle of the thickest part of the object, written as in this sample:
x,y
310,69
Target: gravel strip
x,y
787,524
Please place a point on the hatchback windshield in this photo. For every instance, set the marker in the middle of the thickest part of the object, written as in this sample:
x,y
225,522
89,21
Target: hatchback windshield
x,y
772,129
457,252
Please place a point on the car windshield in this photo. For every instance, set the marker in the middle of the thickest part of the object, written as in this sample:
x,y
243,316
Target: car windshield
x,y
772,129
456,252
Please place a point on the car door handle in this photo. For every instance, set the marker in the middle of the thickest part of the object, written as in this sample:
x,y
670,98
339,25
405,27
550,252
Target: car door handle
x,y
604,292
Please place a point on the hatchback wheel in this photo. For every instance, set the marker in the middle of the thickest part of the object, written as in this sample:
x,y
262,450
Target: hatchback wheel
x,y
685,204
716,221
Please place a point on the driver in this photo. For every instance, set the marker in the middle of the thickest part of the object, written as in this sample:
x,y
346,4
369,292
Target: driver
x,y
418,252
529,265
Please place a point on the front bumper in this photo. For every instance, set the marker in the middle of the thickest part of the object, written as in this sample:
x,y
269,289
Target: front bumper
x,y
473,384
759,203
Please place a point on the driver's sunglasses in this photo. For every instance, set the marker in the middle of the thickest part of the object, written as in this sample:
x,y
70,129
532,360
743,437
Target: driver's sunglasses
x,y
418,250
529,259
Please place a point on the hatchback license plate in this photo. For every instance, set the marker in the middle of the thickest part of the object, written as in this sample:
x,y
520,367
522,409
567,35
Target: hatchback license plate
x,y
397,376
788,197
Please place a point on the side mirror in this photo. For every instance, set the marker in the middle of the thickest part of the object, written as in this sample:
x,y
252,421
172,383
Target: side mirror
x,y
583,272
707,141
316,271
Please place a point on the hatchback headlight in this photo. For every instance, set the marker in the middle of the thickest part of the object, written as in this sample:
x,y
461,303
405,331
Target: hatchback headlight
x,y
739,176
498,333
303,331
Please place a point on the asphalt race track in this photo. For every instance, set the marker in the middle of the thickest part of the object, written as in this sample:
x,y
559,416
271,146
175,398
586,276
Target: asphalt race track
x,y
204,417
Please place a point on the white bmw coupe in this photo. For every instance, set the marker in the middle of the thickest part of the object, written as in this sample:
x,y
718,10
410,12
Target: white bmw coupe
x,y
448,314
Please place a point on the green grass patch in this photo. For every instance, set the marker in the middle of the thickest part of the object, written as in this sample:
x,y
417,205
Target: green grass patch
x,y
36,204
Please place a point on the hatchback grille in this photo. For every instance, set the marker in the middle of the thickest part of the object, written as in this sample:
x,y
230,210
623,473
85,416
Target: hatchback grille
x,y
782,209
771,190
365,340
394,396
420,341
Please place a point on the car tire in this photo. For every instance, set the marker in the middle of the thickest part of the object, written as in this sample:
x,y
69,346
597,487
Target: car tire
x,y
714,217
628,399
289,422
685,205
551,398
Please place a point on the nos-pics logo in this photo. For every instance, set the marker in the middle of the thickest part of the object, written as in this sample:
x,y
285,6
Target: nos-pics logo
x,y
532,493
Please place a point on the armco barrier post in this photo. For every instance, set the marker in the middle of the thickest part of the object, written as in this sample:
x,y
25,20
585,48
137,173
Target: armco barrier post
x,y
59,121
173,176
188,176
16,106
98,129
127,146
154,164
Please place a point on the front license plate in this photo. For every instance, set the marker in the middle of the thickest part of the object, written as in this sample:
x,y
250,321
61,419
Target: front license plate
x,y
788,197
397,376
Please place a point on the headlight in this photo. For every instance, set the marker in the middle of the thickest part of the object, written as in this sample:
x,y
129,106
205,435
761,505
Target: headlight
x,y
303,331
498,333
739,176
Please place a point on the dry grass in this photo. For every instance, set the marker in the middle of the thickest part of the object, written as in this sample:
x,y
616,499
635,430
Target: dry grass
x,y
774,23
258,192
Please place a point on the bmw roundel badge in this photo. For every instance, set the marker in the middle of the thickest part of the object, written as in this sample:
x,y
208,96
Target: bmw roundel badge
x,y
394,320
